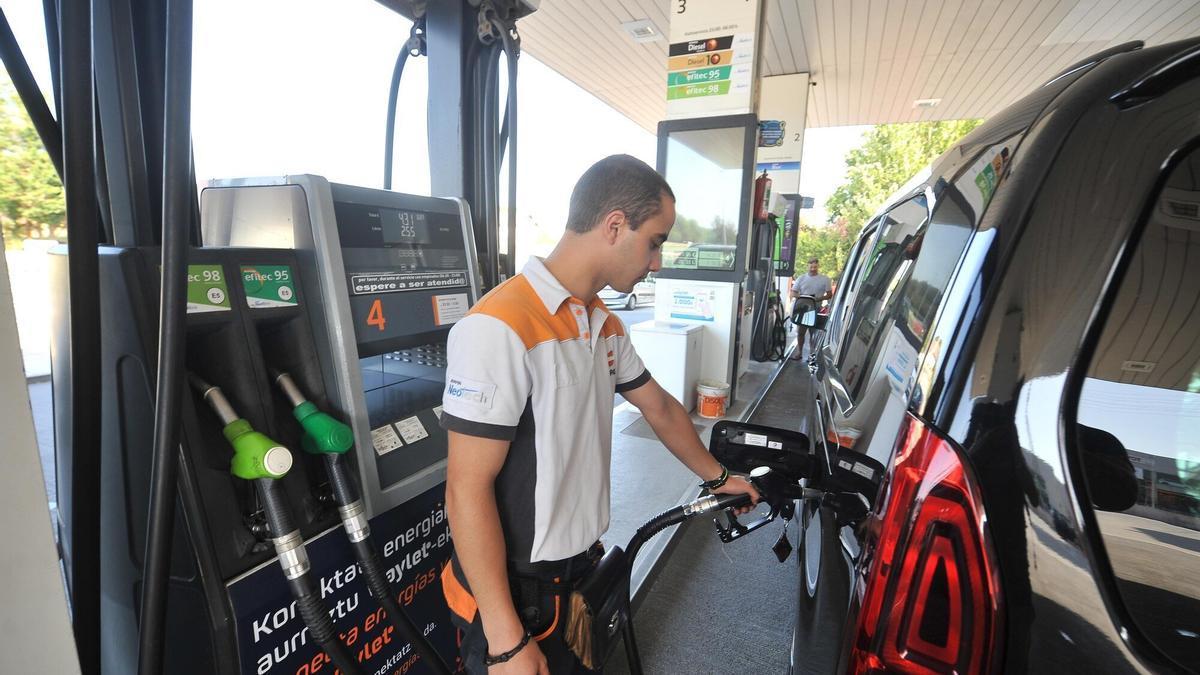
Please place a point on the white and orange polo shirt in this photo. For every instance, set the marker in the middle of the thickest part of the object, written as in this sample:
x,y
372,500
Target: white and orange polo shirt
x,y
533,365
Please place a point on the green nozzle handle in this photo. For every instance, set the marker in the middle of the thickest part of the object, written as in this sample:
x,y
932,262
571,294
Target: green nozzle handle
x,y
324,435
327,435
254,455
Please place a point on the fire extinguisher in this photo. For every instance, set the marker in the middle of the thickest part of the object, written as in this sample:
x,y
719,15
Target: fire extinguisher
x,y
762,197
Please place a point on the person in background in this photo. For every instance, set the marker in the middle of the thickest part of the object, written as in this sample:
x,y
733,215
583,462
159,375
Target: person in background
x,y
816,285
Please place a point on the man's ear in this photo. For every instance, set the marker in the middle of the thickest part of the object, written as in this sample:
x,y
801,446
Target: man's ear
x,y
610,227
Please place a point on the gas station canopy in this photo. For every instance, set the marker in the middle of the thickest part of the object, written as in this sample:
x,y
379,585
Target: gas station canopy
x,y
870,61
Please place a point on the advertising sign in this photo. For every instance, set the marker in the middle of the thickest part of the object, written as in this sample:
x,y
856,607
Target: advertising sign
x,y
414,542
711,57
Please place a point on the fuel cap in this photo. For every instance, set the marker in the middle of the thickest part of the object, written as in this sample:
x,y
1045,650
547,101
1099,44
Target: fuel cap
x,y
278,461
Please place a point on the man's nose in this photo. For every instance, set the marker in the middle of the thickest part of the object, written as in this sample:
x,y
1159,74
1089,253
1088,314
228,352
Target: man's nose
x,y
656,262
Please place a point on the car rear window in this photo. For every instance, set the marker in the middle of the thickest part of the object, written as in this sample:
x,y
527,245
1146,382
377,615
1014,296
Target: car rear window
x,y
1138,434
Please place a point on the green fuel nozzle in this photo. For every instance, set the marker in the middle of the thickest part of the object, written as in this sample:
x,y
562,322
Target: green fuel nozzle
x,y
323,433
254,454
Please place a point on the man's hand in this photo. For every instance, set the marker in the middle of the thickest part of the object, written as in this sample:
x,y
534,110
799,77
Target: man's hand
x,y
528,661
736,485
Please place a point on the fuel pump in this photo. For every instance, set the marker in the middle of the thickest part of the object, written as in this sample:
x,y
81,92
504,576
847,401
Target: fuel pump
x,y
768,336
179,516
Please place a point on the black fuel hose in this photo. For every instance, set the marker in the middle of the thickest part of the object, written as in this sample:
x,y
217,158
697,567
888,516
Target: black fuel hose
x,y
177,214
389,137
489,155
706,504
512,53
289,545
413,46
346,494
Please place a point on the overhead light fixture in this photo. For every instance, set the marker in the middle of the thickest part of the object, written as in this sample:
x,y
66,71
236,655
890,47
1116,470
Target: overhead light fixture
x,y
926,102
642,30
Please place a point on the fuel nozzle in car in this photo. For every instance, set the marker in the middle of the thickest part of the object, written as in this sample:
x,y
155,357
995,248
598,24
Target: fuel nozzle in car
x,y
258,458
330,438
782,469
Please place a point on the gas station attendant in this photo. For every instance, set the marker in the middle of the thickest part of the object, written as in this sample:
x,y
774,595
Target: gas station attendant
x,y
528,408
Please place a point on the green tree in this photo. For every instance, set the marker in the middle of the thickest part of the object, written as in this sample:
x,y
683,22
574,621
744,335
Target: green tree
x,y
31,195
829,244
890,155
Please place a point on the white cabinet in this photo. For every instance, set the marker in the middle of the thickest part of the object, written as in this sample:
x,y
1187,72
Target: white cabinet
x,y
672,353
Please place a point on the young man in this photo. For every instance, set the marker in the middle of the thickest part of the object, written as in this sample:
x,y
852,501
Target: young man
x,y
528,408
818,286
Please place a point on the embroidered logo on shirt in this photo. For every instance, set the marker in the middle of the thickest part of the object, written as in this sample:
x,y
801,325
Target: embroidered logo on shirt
x,y
479,394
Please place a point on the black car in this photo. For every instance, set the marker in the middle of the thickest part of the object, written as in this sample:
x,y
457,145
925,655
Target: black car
x,y
1015,344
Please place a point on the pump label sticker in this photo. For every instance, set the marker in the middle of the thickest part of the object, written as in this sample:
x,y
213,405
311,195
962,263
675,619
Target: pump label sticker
x,y
206,289
448,309
756,439
269,286
412,430
367,284
385,439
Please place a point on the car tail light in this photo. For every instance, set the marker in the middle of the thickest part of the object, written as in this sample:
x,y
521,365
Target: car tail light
x,y
930,601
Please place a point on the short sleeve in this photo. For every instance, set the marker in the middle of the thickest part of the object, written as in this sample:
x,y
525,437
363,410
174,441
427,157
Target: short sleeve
x,y
796,285
487,382
631,372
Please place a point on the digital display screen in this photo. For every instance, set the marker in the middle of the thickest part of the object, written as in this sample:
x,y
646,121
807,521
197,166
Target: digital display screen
x,y
404,227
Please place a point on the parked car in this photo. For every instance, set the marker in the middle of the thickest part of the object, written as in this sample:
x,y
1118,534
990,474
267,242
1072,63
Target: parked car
x,y
1015,341
642,295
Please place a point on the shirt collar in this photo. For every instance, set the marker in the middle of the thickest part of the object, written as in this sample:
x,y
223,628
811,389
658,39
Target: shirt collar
x,y
548,289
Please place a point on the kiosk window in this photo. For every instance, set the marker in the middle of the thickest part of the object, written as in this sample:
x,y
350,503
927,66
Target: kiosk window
x,y
705,170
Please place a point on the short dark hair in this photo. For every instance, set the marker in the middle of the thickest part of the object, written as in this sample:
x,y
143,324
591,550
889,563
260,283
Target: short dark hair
x,y
617,183
813,260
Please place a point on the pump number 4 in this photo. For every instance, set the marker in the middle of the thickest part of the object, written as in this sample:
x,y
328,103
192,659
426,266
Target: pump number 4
x,y
375,316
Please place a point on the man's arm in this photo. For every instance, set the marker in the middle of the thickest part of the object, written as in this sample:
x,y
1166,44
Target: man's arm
x,y
673,426
471,472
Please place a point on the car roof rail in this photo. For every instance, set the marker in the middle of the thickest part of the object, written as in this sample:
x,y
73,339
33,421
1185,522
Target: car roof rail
x,y
1160,79
1132,45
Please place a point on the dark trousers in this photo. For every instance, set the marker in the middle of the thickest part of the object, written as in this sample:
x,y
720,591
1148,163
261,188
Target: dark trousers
x,y
541,594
